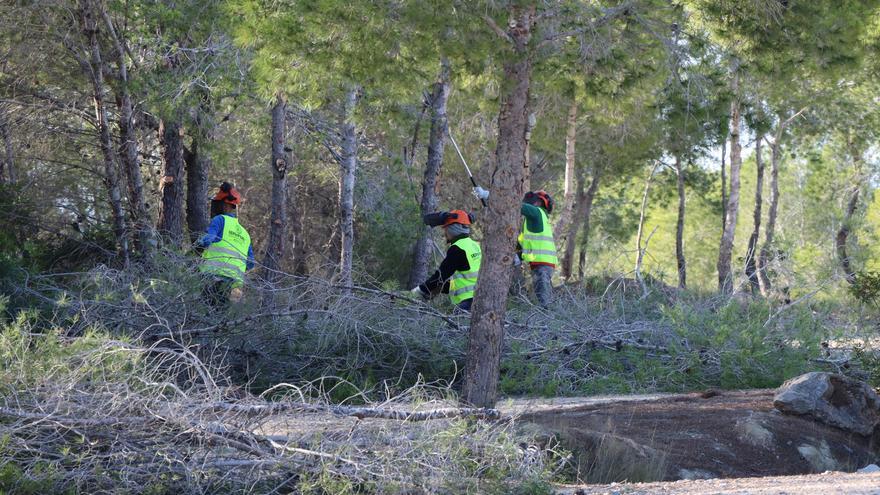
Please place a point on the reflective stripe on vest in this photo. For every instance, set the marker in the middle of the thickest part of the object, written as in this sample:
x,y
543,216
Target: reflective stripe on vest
x,y
463,284
538,247
228,256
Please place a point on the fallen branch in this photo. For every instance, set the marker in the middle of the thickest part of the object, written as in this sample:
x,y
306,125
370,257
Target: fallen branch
x,y
357,412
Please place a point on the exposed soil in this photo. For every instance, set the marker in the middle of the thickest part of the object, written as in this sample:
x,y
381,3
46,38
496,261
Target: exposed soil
x,y
816,484
708,435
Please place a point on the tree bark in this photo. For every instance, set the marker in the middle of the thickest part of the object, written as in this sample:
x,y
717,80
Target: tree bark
x,y
198,166
439,97
7,165
843,234
640,253
725,251
568,196
751,252
95,72
723,185
585,211
298,245
171,207
775,160
348,165
502,220
679,227
278,164
129,147
846,226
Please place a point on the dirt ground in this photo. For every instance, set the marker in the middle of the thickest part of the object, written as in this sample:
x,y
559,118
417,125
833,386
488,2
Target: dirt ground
x,y
831,483
693,436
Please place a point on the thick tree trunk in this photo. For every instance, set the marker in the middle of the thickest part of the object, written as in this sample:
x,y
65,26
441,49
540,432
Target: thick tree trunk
x,y
198,166
585,211
171,207
346,187
725,251
95,71
502,220
439,97
7,165
764,282
568,196
723,185
140,214
751,252
278,220
679,227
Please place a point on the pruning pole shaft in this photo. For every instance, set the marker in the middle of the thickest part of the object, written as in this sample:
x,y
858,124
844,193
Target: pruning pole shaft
x,y
464,162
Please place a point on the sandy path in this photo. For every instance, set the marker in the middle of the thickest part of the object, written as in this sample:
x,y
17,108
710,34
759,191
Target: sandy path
x,y
827,483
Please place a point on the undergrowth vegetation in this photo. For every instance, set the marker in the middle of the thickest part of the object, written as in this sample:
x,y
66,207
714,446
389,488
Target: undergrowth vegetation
x,y
369,341
219,401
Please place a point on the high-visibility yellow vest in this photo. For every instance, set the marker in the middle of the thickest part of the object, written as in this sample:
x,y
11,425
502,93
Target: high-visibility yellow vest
x,y
538,247
463,284
228,257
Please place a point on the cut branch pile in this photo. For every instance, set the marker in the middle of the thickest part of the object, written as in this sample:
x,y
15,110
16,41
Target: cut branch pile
x,y
106,416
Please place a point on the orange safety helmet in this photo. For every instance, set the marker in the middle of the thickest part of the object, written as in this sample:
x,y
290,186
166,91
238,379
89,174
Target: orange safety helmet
x,y
227,194
541,196
457,216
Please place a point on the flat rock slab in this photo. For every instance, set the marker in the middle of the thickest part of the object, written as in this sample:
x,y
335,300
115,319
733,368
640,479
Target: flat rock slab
x,y
711,435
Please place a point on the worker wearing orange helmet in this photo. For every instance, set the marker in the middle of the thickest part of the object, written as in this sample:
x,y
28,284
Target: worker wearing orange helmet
x,y
457,274
228,252
536,243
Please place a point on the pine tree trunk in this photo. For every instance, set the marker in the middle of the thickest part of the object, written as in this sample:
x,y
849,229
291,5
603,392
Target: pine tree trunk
x,y
846,226
502,220
95,71
198,166
723,186
751,252
640,252
298,244
140,214
171,207
725,251
764,282
439,97
7,165
346,188
568,195
584,213
679,227
278,220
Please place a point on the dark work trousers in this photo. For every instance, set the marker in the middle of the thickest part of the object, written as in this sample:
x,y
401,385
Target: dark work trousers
x,y
542,276
465,305
216,292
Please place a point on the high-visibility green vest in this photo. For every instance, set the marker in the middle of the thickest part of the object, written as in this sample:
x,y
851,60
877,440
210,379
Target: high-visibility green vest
x,y
463,284
228,257
538,247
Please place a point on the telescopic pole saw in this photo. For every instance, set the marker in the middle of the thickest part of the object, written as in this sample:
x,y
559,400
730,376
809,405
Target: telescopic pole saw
x,y
467,169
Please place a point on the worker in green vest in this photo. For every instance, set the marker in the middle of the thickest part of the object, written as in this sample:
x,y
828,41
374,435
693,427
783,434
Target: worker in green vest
x,y
227,252
536,243
457,274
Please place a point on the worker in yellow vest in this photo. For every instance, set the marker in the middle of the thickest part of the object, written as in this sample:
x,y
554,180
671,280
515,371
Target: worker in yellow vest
x,y
536,243
457,274
227,251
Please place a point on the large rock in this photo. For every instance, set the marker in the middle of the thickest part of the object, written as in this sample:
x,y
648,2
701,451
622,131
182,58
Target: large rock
x,y
835,400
